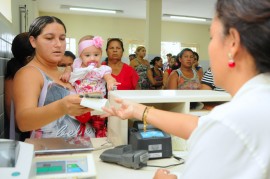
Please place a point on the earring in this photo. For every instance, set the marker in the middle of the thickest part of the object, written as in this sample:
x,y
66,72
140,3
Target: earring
x,y
231,62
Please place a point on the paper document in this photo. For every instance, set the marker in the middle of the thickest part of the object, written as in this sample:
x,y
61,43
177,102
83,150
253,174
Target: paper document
x,y
95,104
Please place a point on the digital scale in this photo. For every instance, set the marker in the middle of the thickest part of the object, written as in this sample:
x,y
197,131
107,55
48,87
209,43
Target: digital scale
x,y
18,161
65,166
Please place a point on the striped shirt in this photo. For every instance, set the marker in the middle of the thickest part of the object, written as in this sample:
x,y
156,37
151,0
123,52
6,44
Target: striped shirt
x,y
208,80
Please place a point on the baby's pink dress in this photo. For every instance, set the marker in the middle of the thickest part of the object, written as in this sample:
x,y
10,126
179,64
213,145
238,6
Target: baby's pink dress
x,y
92,80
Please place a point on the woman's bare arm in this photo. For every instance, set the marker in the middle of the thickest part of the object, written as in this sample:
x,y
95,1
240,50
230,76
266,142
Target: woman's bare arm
x,y
178,124
172,80
28,83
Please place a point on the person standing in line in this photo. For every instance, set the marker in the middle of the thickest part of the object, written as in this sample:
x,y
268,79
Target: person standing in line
x,y
232,140
185,77
141,65
154,74
131,57
22,52
66,61
207,82
168,71
196,65
167,64
123,73
44,104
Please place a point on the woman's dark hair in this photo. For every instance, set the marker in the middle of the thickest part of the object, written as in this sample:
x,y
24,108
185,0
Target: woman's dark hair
x,y
69,54
154,60
117,40
40,22
177,64
197,55
252,20
22,51
179,55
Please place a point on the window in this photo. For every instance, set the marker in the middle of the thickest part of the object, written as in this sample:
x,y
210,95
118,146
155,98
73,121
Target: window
x,y
166,47
169,47
71,45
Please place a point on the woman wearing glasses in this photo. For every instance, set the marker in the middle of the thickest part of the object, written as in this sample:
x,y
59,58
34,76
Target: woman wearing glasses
x,y
123,73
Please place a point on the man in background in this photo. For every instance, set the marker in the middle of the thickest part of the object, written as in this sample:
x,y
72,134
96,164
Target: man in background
x,y
67,59
166,64
131,57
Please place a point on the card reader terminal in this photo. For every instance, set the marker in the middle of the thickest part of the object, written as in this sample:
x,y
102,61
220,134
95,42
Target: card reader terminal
x,y
125,156
156,142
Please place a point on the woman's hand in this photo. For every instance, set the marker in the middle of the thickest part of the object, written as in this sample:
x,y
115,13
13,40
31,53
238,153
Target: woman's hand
x,y
71,105
127,110
164,174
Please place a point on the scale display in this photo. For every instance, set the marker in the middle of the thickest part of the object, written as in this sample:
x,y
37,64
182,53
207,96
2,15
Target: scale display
x,y
151,134
63,166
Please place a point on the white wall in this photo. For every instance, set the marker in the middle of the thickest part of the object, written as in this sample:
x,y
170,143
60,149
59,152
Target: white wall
x,y
134,29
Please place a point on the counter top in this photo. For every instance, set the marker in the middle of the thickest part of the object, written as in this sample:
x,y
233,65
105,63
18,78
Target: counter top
x,y
114,171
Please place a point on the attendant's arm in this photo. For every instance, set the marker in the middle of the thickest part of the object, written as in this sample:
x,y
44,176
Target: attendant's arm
x,y
178,124
28,83
173,80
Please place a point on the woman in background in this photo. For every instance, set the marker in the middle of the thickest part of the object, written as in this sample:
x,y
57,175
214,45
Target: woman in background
x,y
22,52
168,71
185,77
196,65
141,66
155,74
123,73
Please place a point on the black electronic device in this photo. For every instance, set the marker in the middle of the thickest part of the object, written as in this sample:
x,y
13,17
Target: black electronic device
x,y
155,141
124,155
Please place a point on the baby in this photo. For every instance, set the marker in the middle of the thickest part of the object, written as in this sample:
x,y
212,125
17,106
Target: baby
x,y
89,78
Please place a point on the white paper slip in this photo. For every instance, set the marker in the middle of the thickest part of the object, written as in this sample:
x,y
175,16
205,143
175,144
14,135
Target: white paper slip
x,y
95,104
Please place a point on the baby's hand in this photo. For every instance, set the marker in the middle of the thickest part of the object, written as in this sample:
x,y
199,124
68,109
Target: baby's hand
x,y
65,77
112,85
111,82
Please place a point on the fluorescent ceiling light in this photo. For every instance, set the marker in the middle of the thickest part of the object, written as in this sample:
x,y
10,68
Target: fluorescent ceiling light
x,y
89,9
92,10
188,18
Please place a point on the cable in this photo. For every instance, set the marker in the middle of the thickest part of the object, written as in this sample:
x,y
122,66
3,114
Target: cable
x,y
172,165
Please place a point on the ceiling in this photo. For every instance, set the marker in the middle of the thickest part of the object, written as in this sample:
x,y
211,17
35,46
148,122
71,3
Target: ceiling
x,y
134,8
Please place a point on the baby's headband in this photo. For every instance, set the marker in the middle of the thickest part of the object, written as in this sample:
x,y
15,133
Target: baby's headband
x,y
96,41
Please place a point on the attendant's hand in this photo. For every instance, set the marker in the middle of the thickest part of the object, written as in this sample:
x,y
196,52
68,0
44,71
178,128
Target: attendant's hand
x,y
164,174
127,110
71,105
